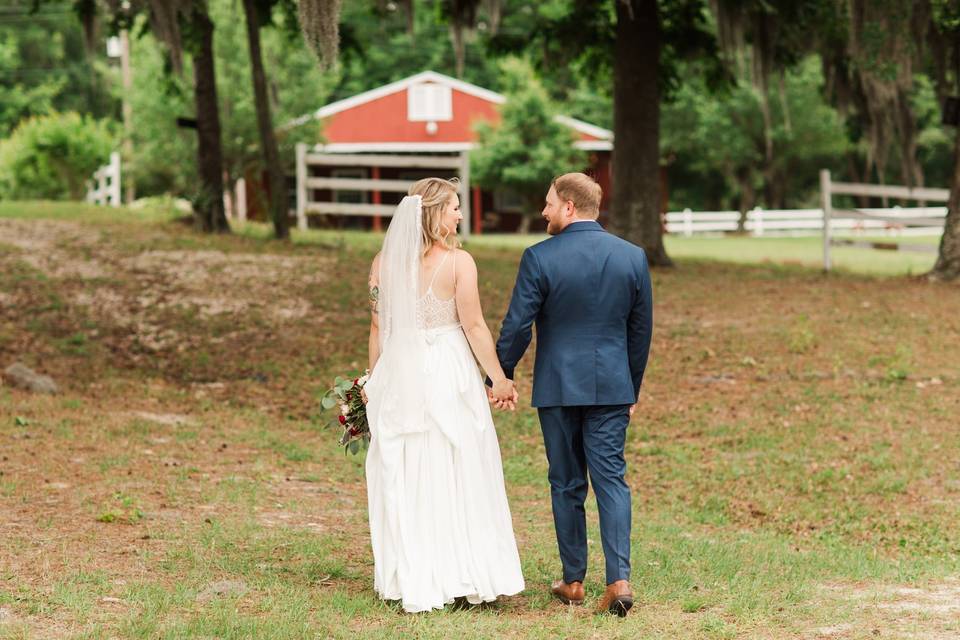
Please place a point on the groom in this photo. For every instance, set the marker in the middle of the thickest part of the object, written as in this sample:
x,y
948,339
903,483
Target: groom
x,y
589,294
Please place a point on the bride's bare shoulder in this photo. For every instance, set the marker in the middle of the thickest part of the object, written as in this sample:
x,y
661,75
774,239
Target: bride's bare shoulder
x,y
462,254
466,265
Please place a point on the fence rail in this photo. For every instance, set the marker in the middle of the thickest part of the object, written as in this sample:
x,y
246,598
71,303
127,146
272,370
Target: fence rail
x,y
919,220
895,221
308,184
104,187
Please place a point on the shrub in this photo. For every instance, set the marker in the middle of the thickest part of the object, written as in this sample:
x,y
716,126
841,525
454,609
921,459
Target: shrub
x,y
52,156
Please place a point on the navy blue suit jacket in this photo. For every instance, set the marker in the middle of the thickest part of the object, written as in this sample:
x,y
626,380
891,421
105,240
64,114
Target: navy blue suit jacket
x,y
590,296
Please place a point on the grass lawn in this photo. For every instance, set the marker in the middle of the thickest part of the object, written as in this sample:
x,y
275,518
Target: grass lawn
x,y
794,464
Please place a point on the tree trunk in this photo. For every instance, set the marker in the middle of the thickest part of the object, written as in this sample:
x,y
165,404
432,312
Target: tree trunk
x,y
276,186
210,215
635,214
525,221
948,260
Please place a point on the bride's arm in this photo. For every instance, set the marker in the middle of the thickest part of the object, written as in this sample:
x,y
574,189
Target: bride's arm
x,y
373,343
474,326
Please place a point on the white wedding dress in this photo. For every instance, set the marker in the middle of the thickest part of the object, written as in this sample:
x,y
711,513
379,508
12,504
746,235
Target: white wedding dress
x,y
440,524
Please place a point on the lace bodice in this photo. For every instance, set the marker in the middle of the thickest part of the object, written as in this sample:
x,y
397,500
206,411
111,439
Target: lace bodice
x,y
432,312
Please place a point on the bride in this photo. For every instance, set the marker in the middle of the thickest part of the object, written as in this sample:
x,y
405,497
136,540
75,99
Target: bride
x,y
440,525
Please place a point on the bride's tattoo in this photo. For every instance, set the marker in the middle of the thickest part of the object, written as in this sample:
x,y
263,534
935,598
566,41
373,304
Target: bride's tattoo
x,y
374,298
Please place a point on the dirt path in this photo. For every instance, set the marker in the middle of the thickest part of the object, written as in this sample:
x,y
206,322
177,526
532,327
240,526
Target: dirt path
x,y
186,449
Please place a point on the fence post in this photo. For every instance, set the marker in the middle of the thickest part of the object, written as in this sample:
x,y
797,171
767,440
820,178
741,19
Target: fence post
x,y
826,201
115,195
241,200
757,221
687,222
301,186
465,193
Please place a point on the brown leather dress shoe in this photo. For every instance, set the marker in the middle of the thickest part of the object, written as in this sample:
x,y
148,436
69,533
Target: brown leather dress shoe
x,y
617,599
568,593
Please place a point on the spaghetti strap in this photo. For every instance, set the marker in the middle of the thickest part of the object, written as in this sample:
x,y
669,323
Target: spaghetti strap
x,y
437,270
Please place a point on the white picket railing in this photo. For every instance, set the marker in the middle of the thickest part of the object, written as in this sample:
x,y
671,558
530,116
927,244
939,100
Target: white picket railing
x,y
895,221
104,187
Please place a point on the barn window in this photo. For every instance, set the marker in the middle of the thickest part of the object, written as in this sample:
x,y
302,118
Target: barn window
x,y
429,102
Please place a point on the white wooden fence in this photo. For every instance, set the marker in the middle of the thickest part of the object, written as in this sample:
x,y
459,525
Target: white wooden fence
x,y
919,220
894,221
104,187
307,184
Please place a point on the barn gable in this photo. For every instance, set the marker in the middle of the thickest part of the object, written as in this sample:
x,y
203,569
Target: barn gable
x,y
425,112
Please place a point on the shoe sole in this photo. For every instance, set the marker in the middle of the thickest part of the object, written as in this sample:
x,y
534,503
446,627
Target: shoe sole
x,y
566,600
620,606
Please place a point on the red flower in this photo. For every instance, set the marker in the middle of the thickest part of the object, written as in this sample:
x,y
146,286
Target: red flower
x,y
343,420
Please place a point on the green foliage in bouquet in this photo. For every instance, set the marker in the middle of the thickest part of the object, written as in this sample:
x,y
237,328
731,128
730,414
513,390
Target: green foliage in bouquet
x,y
346,396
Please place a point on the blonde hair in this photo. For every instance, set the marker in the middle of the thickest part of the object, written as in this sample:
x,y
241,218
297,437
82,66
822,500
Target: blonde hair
x,y
582,190
435,194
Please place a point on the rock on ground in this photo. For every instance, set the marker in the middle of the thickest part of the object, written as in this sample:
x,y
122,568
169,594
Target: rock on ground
x,y
22,376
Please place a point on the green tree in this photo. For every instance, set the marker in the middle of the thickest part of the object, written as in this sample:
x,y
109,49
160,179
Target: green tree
x,y
528,147
52,156
726,131
257,13
165,154
43,67
634,46
382,42
946,47
295,86
181,26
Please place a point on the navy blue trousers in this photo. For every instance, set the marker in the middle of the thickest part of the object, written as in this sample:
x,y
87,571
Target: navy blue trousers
x,y
581,440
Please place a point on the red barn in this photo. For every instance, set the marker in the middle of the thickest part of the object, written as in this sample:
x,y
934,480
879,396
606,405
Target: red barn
x,y
381,141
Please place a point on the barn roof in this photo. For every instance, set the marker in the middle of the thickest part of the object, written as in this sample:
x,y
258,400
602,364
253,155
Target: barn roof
x,y
364,135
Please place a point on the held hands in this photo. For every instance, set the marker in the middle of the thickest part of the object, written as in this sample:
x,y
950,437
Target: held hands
x,y
503,394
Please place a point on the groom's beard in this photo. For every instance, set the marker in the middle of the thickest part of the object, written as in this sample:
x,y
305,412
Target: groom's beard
x,y
553,228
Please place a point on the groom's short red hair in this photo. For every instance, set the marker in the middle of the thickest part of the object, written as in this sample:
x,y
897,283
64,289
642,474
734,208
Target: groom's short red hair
x,y
582,190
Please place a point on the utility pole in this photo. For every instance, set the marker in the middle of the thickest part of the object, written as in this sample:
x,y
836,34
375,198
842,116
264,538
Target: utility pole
x,y
119,47
127,77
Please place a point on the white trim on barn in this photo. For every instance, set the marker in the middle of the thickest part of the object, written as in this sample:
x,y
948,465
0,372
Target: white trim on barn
x,y
593,145
366,147
434,147
326,111
400,85
585,127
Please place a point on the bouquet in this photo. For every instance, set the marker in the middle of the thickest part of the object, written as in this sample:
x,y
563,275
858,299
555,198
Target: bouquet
x,y
347,397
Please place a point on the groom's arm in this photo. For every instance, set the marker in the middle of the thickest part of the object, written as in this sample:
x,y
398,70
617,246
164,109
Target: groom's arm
x,y
640,327
525,304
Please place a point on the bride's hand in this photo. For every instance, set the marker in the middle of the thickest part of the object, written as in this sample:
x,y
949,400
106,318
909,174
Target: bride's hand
x,y
363,395
504,393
